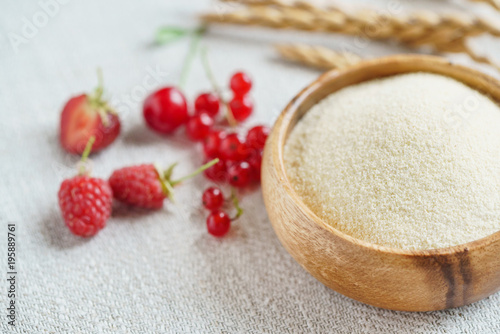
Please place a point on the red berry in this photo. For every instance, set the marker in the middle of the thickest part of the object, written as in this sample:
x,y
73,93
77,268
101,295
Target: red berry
x,y
212,142
232,148
217,172
139,186
239,174
255,162
241,107
240,83
213,198
165,110
85,204
207,103
80,120
218,223
256,137
198,126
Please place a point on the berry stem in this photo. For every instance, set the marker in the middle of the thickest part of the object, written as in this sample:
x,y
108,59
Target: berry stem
x,y
170,190
97,102
99,90
165,183
168,173
196,172
215,86
165,35
236,203
190,56
85,155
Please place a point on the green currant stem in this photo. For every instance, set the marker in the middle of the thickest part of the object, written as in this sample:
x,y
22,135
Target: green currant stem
x,y
196,172
215,86
165,35
190,56
236,203
208,71
85,154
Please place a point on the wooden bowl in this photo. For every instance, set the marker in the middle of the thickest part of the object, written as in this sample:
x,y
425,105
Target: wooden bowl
x,y
390,278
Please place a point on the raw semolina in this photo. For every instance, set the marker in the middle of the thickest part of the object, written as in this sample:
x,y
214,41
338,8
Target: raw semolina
x,y
410,161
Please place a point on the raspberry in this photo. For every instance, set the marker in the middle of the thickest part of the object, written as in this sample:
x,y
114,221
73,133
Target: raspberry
x,y
145,186
139,186
85,204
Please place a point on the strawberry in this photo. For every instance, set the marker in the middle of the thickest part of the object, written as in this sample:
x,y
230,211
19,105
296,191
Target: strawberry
x,y
85,201
146,186
85,116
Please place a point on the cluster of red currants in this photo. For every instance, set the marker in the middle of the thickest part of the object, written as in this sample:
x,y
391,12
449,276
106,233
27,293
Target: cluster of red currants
x,y
239,157
167,109
218,221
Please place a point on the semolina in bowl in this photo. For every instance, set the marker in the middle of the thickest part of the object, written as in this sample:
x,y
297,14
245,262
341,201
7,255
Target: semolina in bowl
x,y
383,205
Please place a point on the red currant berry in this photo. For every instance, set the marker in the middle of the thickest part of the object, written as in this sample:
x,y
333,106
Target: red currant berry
x,y
218,223
239,174
213,198
255,162
198,126
256,137
232,148
165,110
217,172
207,103
241,107
240,83
211,143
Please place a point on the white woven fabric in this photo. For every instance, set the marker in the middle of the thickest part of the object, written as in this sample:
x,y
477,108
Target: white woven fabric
x,y
157,272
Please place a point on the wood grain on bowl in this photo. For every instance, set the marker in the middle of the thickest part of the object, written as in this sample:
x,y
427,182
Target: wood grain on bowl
x,y
381,276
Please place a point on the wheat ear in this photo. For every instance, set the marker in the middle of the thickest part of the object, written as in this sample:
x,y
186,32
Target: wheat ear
x,y
445,33
493,3
317,56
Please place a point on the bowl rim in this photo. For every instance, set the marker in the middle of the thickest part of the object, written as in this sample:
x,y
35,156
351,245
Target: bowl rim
x,y
288,113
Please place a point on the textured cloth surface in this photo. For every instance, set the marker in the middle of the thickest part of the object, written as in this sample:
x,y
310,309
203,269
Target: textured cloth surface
x,y
158,272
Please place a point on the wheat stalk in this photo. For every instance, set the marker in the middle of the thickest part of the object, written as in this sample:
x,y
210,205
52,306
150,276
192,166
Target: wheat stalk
x,y
416,29
325,58
494,3
304,4
317,56
445,33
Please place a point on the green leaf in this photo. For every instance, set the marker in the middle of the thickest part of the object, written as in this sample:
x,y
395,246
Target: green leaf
x,y
166,35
